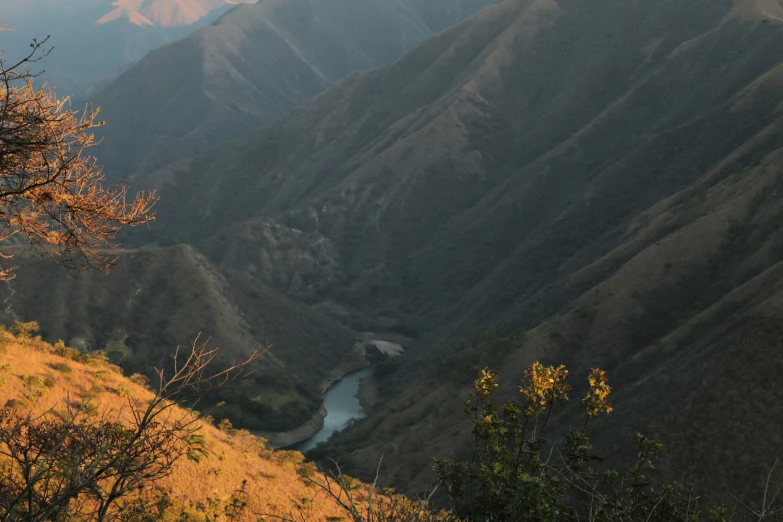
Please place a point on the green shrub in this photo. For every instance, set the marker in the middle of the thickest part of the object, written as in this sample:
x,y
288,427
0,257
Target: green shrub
x,y
517,475
122,390
116,352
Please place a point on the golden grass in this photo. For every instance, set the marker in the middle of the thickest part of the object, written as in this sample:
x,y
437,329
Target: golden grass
x,y
233,456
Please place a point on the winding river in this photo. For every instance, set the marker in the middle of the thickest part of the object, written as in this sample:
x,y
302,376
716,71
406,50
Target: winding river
x,y
342,405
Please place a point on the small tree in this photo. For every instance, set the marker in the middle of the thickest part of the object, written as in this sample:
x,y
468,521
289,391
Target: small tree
x,y
51,191
77,465
24,330
517,475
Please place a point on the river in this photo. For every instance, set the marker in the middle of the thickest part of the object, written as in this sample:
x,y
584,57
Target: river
x,y
342,405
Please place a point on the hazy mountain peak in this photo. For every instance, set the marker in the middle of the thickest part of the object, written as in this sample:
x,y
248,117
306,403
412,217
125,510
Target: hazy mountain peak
x,y
165,13
119,13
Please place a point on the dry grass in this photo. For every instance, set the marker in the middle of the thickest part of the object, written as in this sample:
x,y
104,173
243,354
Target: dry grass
x,y
207,486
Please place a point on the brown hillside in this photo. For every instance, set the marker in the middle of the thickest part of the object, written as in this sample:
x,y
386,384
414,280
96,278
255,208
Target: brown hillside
x,y
205,487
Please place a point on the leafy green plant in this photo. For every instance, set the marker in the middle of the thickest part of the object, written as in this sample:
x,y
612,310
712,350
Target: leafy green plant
x,y
517,475
122,390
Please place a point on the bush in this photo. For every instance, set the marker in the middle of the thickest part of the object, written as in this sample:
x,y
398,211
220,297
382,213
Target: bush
x,y
61,367
23,330
139,379
116,352
122,390
516,475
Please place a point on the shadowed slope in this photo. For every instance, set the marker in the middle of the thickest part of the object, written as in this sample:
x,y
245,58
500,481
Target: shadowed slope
x,y
156,300
522,171
198,491
250,67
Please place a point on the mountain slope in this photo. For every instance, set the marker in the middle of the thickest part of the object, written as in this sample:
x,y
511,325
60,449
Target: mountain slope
x,y
126,30
198,491
522,171
253,65
158,299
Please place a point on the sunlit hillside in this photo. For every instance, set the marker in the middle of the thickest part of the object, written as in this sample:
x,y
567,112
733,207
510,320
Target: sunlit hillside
x,y
33,377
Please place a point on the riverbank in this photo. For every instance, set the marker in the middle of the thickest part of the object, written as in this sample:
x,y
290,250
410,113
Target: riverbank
x,y
367,392
281,439
354,361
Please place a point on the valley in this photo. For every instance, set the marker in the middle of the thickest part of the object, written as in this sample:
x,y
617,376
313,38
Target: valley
x,y
383,197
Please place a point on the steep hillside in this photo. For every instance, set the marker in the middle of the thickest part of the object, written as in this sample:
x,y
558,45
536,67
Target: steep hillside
x,y
204,488
158,299
94,39
604,175
253,65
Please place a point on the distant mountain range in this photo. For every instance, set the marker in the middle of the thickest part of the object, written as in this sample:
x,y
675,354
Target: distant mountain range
x,y
94,40
253,65
604,176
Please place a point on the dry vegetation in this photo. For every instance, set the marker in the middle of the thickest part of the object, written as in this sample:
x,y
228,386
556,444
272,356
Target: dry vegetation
x,y
51,191
35,378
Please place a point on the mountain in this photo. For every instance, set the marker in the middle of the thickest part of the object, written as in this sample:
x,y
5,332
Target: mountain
x,y
164,13
158,299
93,40
598,181
253,65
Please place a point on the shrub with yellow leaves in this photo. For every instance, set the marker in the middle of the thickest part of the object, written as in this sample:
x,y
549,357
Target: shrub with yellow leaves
x,y
517,475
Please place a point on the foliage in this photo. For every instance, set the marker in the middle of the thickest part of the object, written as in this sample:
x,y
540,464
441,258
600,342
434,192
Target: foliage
x,y
52,192
517,475
22,330
139,379
117,352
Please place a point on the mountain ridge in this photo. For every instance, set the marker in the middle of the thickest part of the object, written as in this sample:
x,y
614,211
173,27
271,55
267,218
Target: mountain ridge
x,y
507,174
253,65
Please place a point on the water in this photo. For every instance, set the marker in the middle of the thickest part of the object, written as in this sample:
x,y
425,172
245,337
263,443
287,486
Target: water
x,y
341,405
